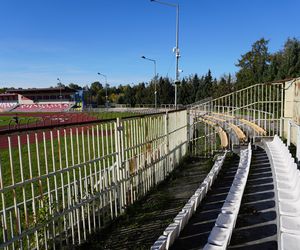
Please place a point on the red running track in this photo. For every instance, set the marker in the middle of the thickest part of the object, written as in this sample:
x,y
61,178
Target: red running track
x,y
47,119
39,135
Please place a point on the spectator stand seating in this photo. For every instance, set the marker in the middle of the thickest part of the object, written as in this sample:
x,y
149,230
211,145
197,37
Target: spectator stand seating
x,y
6,107
287,179
173,230
220,235
59,107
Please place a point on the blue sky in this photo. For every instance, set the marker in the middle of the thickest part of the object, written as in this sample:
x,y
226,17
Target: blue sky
x,y
41,40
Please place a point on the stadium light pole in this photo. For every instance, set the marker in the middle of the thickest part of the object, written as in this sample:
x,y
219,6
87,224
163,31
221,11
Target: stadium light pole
x,y
60,97
176,49
155,89
105,88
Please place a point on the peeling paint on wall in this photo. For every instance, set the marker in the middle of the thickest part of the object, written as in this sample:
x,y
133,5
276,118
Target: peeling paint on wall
x,y
296,113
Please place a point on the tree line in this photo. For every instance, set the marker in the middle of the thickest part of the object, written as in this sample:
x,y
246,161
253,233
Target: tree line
x,y
255,66
258,65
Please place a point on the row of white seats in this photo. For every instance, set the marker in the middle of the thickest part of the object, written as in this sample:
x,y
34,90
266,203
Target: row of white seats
x,y
42,107
4,107
220,235
173,230
287,178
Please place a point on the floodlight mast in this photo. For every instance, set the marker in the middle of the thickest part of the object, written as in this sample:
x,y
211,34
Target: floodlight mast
x,y
176,49
106,97
60,96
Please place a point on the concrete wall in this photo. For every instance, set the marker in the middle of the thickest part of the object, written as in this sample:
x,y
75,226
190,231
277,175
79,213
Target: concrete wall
x,y
296,113
292,108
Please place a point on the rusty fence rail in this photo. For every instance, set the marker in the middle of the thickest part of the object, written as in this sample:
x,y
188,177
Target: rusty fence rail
x,y
58,186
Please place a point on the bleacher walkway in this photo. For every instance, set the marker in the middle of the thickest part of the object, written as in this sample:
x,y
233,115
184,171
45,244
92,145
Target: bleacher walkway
x,y
148,218
256,226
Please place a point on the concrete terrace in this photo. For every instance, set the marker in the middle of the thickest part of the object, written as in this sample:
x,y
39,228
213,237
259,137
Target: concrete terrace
x,y
256,226
142,224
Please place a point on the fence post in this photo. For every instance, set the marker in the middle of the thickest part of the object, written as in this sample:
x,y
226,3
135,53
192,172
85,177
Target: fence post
x,y
167,143
298,144
188,131
289,133
119,161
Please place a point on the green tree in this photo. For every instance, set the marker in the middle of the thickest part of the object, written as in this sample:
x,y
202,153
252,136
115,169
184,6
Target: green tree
x,y
166,91
74,86
129,95
254,64
290,59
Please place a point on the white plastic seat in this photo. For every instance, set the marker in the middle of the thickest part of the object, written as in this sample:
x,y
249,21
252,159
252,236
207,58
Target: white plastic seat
x,y
282,164
289,178
190,209
182,219
241,176
172,232
201,192
160,244
230,208
287,185
286,169
235,189
205,186
193,203
289,194
233,197
238,182
209,246
219,236
225,220
290,241
197,198
289,208
290,224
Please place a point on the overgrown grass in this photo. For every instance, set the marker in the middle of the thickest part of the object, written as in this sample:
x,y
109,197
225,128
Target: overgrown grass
x,y
148,211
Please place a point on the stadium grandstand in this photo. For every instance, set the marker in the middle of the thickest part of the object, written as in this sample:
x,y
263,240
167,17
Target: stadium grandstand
x,y
38,100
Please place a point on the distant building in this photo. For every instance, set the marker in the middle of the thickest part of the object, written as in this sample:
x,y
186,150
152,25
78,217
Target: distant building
x,y
41,95
40,100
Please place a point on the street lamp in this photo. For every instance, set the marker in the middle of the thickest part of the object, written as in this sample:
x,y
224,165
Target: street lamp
x,y
106,104
176,49
155,89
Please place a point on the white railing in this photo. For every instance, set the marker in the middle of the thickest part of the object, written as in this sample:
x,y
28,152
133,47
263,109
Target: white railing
x,y
259,103
58,186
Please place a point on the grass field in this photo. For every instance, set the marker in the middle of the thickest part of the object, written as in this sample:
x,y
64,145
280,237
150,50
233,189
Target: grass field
x,y
39,157
111,115
6,120
38,154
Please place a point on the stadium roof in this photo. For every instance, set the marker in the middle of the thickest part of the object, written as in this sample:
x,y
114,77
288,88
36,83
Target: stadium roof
x,y
42,90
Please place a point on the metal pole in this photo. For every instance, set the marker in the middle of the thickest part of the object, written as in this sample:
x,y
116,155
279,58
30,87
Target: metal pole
x,y
155,87
60,97
176,50
155,80
106,97
177,54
